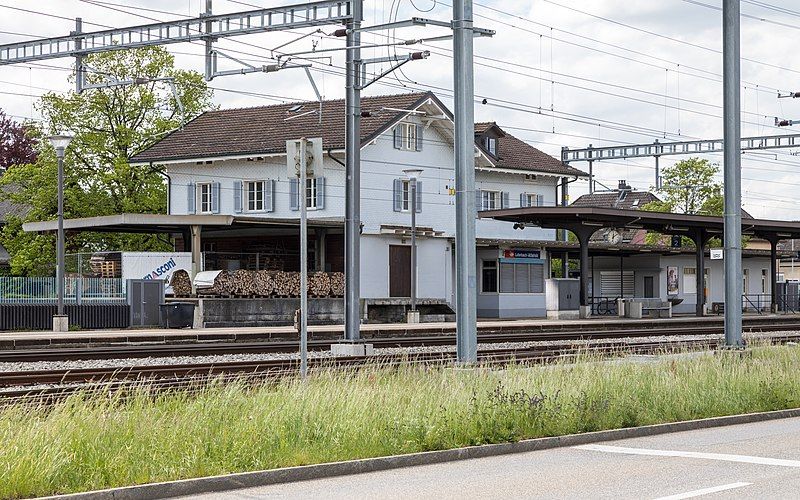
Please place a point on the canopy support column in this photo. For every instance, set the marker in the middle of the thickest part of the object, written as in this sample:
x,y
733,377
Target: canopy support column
x,y
583,234
700,237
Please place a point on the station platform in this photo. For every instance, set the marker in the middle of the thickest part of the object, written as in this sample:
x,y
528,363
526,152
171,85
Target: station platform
x,y
26,340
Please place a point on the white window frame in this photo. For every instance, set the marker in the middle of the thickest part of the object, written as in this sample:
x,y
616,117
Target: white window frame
x,y
408,136
207,187
491,145
405,205
258,191
311,193
532,199
491,200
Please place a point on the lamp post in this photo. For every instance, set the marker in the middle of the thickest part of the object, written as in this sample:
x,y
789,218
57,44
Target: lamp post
x,y
413,174
60,320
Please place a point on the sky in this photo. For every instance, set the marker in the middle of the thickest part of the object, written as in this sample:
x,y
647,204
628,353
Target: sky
x,y
557,72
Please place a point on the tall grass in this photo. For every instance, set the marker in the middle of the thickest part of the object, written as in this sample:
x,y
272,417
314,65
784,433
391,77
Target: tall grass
x,y
90,442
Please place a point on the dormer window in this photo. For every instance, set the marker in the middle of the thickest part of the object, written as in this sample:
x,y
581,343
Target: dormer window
x,y
491,145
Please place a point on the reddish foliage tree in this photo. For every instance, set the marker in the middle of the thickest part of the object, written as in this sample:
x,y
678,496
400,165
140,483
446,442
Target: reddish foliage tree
x,y
17,146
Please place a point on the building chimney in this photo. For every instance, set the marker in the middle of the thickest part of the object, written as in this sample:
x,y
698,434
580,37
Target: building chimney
x,y
623,185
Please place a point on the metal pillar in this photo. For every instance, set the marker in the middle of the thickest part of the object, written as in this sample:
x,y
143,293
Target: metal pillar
x,y
79,69
352,247
196,257
303,192
60,242
773,274
700,264
583,239
732,172
466,291
414,244
209,41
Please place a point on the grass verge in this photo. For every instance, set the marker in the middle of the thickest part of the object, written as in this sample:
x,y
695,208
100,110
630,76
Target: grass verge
x,y
92,442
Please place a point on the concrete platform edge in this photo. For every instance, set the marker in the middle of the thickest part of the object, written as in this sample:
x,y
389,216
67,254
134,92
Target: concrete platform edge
x,y
228,482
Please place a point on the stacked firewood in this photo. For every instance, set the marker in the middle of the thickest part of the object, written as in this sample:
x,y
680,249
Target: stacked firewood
x,y
244,283
181,283
319,284
337,284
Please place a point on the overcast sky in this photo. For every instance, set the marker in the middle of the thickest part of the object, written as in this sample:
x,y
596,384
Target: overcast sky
x,y
557,73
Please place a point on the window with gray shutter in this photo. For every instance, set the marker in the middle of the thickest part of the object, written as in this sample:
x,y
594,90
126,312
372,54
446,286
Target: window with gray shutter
x,y
215,197
478,200
191,203
537,278
521,277
504,200
506,277
294,194
419,137
612,285
523,200
269,195
522,282
320,184
398,137
237,196
397,195
419,197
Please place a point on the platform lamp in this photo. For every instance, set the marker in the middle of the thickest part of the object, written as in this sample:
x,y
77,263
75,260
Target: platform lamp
x,y
60,321
413,174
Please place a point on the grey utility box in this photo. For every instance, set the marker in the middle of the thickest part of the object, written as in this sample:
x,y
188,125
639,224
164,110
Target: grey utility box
x,y
563,298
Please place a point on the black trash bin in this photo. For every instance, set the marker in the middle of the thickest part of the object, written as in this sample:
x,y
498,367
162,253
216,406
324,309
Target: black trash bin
x,y
177,314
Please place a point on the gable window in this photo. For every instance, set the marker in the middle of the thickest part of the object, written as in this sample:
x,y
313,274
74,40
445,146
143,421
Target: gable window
x,y
491,145
408,136
490,200
255,195
204,198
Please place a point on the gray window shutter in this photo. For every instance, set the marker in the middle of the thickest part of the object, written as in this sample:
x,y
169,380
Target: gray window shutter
x,y
419,197
237,196
398,137
478,200
215,197
539,200
191,205
504,199
419,138
320,192
294,194
523,200
269,194
398,195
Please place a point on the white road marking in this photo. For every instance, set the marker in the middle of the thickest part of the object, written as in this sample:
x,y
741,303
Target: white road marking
x,y
691,454
704,491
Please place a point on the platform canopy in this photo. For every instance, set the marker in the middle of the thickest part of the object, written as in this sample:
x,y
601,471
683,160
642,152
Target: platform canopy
x,y
585,221
162,223
666,223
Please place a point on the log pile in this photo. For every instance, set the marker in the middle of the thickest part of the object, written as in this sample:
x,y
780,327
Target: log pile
x,y
244,283
181,283
337,284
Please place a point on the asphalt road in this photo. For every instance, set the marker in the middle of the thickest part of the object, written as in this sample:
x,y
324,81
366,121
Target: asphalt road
x,y
760,460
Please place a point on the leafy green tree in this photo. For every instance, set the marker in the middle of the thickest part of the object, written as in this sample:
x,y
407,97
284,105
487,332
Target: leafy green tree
x,y
688,187
110,125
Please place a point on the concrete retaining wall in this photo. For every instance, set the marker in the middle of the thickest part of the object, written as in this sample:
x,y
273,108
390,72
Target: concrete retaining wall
x,y
269,312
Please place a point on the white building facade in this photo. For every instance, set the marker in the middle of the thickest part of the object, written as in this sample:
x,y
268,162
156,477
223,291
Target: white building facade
x,y
216,165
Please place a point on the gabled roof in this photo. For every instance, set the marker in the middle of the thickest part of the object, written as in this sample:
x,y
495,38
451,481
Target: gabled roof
x,y
11,208
631,200
265,129
516,154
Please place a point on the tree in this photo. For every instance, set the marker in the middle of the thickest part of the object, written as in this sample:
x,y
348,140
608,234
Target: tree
x,y
17,143
688,187
110,126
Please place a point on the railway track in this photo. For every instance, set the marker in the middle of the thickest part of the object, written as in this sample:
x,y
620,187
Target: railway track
x,y
283,346
45,385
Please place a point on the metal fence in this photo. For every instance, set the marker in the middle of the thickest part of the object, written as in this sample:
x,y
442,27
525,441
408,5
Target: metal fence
x,y
77,290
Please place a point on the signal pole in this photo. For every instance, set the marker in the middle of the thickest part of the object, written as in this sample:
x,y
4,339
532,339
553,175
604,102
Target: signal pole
x,y
466,292
732,171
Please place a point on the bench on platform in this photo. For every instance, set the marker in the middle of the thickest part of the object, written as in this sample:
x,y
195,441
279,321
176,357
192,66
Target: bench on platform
x,y
654,307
